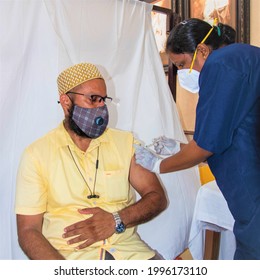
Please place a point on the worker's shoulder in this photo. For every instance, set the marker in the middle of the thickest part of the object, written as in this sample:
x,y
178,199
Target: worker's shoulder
x,y
237,50
236,57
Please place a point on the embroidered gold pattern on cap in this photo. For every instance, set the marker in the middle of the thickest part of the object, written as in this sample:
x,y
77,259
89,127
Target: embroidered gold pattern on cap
x,y
76,75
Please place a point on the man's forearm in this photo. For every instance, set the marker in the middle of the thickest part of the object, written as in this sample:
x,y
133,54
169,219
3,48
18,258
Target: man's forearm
x,y
37,247
148,207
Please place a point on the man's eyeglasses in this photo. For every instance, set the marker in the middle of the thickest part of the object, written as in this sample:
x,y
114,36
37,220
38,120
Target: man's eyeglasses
x,y
94,98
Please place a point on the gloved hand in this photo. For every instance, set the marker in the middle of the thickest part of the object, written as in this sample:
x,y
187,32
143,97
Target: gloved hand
x,y
166,146
147,159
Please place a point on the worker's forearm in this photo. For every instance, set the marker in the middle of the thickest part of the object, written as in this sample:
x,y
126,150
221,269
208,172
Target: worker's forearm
x,y
37,247
189,155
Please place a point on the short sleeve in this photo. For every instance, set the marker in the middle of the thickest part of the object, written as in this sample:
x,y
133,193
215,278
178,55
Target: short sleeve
x,y
31,194
224,101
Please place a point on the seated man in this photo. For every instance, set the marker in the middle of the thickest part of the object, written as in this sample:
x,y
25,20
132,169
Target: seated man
x,y
75,186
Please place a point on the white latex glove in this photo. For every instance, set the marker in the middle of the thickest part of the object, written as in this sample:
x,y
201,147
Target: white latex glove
x,y
166,146
147,159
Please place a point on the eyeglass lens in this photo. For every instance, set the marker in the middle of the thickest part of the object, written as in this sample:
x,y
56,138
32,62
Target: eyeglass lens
x,y
98,99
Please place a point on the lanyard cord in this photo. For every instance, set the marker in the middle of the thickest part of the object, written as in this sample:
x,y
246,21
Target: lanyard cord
x,y
215,23
92,194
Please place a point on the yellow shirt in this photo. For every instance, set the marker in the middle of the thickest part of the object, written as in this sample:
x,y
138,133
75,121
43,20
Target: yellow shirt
x,y
49,182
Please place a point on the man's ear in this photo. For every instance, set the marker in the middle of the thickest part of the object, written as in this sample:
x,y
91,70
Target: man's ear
x,y
65,102
204,50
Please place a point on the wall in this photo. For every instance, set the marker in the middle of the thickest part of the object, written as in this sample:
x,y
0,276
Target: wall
x,y
254,23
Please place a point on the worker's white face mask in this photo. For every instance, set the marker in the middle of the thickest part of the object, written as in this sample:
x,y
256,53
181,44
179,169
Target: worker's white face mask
x,y
189,79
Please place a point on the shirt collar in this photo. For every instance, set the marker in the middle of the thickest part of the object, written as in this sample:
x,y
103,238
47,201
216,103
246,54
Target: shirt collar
x,y
65,139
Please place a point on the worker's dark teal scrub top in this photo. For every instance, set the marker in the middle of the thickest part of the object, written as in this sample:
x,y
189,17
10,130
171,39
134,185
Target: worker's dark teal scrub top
x,y
228,125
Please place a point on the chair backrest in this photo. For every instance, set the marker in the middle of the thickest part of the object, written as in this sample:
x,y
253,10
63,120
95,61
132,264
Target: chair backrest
x,y
205,174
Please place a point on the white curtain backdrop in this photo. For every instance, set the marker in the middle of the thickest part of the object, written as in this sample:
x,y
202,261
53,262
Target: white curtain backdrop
x,y
41,38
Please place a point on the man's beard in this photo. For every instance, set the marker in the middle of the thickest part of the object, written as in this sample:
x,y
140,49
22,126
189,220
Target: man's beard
x,y
73,126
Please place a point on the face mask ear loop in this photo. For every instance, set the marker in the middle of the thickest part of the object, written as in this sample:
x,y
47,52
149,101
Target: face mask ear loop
x,y
193,60
205,38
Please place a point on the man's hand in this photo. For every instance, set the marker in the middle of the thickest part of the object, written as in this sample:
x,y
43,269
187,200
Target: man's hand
x,y
98,227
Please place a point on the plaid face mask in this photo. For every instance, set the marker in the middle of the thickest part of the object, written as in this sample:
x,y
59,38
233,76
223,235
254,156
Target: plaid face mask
x,y
92,121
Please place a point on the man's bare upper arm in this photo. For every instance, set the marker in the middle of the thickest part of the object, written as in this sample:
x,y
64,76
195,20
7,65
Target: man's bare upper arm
x,y
143,180
29,222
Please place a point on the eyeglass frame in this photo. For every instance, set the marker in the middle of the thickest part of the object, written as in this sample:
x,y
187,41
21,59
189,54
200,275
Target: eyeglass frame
x,y
101,98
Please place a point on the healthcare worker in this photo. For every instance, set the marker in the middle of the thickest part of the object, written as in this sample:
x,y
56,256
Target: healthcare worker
x,y
227,129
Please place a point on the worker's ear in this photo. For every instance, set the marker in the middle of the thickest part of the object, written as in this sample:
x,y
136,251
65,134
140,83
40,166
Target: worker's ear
x,y
204,50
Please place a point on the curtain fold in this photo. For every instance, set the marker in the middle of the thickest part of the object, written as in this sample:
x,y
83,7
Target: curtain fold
x,y
44,37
